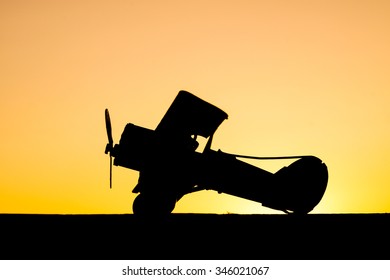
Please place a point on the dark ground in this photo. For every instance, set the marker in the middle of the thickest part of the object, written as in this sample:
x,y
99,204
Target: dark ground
x,y
196,236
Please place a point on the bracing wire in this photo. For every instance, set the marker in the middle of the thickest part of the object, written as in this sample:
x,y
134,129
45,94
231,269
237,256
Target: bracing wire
x,y
266,158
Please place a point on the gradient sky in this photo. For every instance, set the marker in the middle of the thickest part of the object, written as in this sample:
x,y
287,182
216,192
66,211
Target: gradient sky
x,y
295,77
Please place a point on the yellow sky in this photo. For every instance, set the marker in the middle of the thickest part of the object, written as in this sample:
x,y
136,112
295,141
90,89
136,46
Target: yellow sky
x,y
295,77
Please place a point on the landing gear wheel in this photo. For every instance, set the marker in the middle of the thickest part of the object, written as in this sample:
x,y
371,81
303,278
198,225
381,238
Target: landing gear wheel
x,y
153,204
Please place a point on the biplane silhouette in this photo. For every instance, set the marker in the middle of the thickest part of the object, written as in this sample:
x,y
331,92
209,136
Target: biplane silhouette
x,y
170,166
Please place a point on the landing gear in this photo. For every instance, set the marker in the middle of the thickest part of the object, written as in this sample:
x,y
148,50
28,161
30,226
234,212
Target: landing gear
x,y
154,204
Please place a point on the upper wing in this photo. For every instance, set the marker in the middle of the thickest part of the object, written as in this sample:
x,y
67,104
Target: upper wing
x,y
189,115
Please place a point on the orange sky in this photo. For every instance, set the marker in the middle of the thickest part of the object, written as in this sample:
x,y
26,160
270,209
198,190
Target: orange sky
x,y
295,77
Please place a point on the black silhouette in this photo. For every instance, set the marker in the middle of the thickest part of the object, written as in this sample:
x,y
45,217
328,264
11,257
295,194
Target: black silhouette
x,y
195,237
170,167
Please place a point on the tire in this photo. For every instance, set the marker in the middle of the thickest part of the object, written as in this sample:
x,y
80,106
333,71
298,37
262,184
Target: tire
x,y
153,204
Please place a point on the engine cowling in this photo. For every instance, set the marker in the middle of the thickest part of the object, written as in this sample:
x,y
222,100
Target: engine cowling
x,y
135,147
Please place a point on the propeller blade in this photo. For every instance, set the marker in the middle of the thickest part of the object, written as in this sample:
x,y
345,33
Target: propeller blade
x,y
108,128
110,144
110,171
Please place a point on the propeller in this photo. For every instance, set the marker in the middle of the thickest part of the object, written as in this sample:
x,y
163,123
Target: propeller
x,y
110,145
